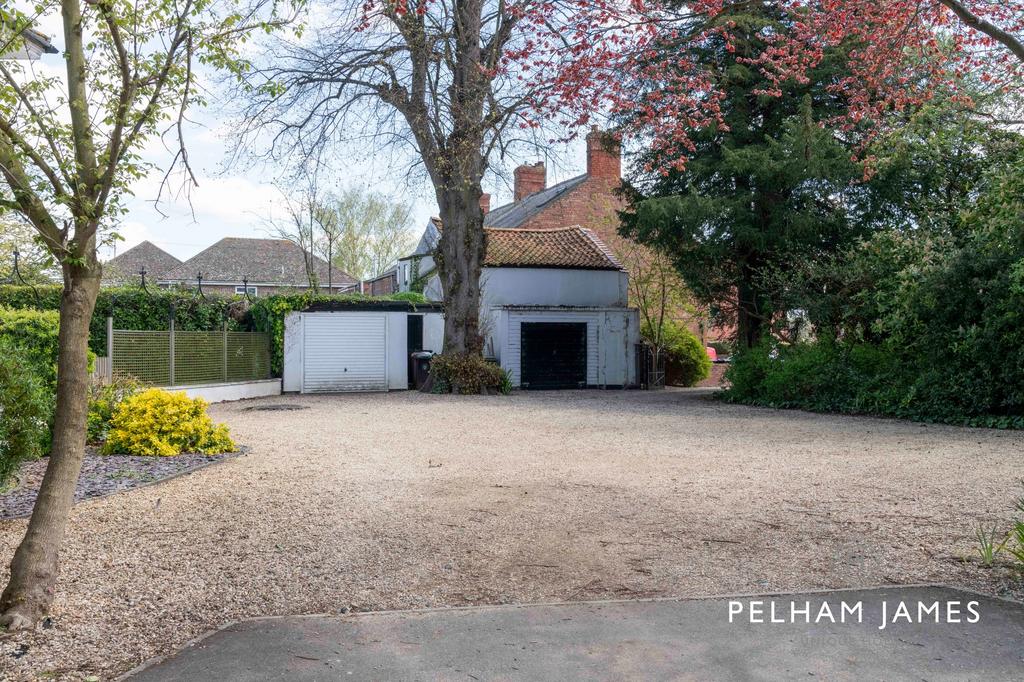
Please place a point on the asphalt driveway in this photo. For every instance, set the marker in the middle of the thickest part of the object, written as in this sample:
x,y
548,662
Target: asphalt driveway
x,y
400,501
713,639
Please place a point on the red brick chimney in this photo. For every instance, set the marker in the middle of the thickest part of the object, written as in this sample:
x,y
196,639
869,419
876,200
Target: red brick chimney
x,y
604,155
485,203
529,180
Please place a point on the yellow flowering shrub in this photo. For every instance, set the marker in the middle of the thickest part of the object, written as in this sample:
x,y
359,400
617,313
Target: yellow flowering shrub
x,y
156,422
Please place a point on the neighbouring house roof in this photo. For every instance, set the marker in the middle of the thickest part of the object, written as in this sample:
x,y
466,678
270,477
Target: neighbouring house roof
x,y
566,247
519,212
125,268
276,262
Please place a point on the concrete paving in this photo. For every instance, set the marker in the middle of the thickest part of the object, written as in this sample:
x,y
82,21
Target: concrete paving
x,y
651,640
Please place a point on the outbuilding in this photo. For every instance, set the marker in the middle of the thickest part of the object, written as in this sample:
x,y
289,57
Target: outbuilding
x,y
554,306
362,346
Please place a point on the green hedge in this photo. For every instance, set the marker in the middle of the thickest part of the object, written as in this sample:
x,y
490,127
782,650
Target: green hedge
x,y
133,308
34,333
267,315
26,406
857,377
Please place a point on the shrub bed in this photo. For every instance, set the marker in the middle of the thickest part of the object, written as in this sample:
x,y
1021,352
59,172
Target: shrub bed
x,y
467,374
160,423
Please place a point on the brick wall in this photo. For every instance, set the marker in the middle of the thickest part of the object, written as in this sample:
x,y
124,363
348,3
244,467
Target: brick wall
x,y
382,286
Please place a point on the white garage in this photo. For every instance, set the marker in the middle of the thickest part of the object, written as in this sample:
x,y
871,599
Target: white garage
x,y
362,347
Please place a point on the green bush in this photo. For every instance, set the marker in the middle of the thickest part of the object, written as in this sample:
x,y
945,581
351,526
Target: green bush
x,y
104,399
25,411
35,332
852,378
917,326
410,296
687,362
506,386
824,376
160,423
468,374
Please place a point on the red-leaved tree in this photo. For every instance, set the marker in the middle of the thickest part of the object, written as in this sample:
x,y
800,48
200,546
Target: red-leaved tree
x,y
900,53
902,50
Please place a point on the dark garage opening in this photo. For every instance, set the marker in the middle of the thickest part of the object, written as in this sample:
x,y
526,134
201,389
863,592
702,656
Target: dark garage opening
x,y
414,342
554,355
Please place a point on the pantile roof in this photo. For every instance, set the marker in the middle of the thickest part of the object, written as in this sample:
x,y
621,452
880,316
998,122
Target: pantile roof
x,y
566,247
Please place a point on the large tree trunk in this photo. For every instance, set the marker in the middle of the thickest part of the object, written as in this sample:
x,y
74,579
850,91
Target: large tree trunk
x,y
35,564
460,256
749,312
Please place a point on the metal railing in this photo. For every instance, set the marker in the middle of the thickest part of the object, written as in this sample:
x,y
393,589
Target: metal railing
x,y
177,358
650,367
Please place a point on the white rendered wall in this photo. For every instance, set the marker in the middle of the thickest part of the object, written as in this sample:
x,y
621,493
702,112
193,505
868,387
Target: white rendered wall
x,y
547,287
241,390
292,371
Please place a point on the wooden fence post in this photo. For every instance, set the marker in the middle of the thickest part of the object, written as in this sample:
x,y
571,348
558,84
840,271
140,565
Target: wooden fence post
x,y
171,341
110,348
225,351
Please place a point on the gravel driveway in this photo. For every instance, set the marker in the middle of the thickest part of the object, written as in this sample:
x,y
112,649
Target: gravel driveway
x,y
407,500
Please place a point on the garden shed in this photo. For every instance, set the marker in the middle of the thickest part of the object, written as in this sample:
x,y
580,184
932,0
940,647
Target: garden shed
x,y
340,347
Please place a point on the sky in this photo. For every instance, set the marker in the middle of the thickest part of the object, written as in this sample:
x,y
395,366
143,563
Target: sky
x,y
240,202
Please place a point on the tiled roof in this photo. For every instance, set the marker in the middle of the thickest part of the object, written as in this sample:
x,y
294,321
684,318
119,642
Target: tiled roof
x,y
261,261
124,269
565,247
518,212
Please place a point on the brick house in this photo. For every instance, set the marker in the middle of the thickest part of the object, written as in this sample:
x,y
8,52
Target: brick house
x,y
589,199
265,266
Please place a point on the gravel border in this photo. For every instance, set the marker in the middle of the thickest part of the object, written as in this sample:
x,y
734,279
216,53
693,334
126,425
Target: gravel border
x,y
104,475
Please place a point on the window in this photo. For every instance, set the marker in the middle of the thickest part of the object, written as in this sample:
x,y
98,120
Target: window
x,y
253,291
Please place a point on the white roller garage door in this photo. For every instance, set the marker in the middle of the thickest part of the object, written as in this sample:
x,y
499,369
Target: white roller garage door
x,y
344,352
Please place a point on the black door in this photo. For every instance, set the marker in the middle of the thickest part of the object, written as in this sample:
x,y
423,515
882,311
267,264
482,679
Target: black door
x,y
554,355
414,328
